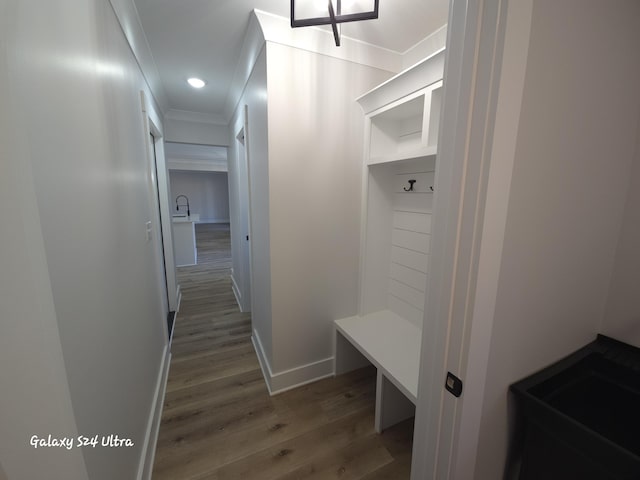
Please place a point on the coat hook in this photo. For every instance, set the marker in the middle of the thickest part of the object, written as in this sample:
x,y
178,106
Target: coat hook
x,y
410,189
431,187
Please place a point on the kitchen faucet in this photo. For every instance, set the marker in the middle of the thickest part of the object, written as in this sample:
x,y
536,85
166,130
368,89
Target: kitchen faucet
x,y
178,205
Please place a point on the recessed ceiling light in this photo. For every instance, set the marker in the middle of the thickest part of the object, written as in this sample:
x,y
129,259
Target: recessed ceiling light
x,y
196,82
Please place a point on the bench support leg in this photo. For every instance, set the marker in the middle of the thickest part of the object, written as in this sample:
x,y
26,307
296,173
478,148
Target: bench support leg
x,y
391,405
347,357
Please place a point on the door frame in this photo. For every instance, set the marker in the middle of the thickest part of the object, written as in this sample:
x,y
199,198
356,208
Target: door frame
x,y
162,226
242,153
446,427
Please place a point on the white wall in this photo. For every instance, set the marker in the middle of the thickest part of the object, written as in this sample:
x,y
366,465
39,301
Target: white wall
x,y
574,149
622,316
315,175
255,97
181,130
35,395
79,252
208,194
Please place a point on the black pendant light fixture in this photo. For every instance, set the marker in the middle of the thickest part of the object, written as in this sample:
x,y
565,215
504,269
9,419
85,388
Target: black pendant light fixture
x,y
306,13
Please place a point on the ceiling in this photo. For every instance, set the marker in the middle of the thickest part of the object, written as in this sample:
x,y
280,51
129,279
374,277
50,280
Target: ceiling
x,y
203,38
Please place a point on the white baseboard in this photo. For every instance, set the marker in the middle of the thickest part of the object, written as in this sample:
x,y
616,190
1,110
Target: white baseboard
x,y
145,467
214,220
179,297
293,378
262,359
236,291
173,330
302,375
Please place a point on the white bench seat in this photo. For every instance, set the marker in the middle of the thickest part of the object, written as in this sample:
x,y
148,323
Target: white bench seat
x,y
392,345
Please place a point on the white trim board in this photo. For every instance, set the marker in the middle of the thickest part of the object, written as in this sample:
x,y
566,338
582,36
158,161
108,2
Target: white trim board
x,y
425,47
262,359
213,220
188,165
145,467
252,46
131,26
236,291
286,380
474,60
303,375
501,132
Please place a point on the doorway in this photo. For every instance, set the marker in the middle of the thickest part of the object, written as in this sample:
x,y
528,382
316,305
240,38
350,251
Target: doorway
x,y
244,214
171,312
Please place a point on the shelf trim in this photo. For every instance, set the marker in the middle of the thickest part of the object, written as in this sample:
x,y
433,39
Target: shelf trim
x,y
429,151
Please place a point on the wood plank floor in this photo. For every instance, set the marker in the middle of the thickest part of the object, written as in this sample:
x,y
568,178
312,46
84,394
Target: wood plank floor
x,y
219,421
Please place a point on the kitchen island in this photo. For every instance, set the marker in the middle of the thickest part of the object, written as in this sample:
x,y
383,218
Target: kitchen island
x,y
184,239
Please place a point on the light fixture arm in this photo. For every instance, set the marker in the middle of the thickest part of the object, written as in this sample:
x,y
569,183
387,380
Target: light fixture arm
x,y
334,25
335,16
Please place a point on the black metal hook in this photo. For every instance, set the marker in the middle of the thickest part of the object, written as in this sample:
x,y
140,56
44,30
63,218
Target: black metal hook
x,y
410,189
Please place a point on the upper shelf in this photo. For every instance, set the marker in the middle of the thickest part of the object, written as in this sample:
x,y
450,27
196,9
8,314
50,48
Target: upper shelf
x,y
407,128
403,114
422,74
408,154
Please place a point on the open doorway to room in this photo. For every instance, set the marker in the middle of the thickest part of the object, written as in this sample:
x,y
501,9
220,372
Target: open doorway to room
x,y
241,274
199,195
199,171
169,305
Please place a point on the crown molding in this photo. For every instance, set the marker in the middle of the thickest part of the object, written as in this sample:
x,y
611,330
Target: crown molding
x,y
264,26
434,42
423,73
191,165
252,45
278,29
127,15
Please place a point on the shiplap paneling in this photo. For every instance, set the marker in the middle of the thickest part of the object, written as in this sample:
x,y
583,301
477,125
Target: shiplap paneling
x,y
413,202
419,242
415,222
423,182
409,258
405,310
410,295
408,276
410,237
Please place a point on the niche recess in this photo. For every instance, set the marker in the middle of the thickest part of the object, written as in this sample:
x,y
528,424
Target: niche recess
x,y
401,131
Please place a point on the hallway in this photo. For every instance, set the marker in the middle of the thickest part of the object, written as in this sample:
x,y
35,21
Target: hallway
x,y
219,421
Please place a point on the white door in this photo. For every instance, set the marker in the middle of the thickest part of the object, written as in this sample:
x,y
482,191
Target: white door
x,y
245,213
